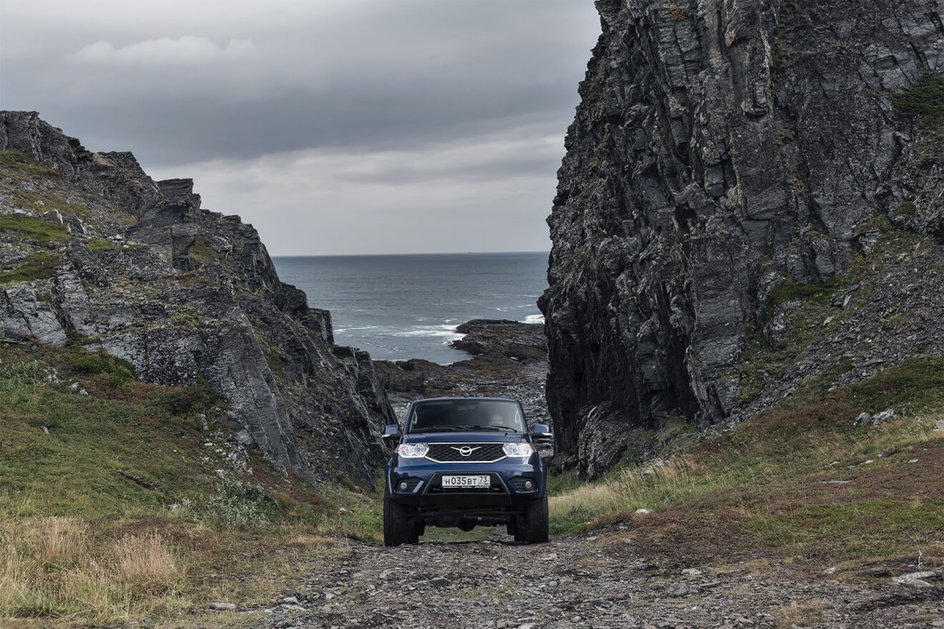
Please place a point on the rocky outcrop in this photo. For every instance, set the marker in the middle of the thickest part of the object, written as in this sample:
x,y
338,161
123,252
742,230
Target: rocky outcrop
x,y
182,294
509,360
722,149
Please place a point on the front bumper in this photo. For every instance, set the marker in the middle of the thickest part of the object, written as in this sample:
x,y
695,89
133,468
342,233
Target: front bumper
x,y
507,493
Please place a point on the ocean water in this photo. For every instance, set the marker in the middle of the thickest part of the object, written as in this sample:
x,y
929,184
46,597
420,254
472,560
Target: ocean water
x,y
408,306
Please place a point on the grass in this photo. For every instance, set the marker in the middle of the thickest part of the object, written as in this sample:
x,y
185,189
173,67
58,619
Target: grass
x,y
38,230
201,251
98,245
791,481
55,566
111,507
26,164
38,266
791,291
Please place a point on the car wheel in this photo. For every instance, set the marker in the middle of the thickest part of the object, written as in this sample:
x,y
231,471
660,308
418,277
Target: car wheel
x,y
416,529
396,526
535,523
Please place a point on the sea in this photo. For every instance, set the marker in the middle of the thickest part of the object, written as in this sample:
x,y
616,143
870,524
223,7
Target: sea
x,y
408,306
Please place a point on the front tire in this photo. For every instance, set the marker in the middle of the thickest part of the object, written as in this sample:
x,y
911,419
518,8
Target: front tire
x,y
397,529
535,523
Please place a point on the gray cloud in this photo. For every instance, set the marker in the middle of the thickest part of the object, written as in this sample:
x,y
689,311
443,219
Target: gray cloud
x,y
475,85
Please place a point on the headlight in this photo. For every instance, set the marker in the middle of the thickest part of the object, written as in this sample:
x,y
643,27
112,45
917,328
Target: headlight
x,y
518,449
412,450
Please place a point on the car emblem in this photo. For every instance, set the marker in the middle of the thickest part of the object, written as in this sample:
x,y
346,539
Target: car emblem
x,y
465,450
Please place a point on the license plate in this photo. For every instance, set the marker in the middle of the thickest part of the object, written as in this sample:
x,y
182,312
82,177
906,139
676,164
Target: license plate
x,y
466,482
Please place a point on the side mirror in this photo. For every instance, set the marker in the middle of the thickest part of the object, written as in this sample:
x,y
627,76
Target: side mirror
x,y
541,433
543,440
391,435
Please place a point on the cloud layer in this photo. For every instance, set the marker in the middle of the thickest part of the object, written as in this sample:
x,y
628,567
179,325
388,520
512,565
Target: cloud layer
x,y
330,119
165,51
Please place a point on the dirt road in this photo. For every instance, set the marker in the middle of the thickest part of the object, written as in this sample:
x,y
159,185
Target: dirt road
x,y
586,581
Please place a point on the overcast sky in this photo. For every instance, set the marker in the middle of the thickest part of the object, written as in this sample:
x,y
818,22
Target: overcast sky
x,y
333,126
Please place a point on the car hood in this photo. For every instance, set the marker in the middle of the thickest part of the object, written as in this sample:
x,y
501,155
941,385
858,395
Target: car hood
x,y
463,437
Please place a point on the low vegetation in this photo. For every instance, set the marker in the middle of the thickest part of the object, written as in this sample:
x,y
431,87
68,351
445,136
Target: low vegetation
x,y
37,266
201,251
30,228
815,310
26,164
111,505
801,481
923,102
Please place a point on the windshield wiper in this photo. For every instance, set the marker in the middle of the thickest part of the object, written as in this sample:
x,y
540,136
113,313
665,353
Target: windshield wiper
x,y
495,428
435,429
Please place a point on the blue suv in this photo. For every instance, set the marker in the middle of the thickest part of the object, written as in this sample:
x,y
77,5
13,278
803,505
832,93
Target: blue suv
x,y
466,462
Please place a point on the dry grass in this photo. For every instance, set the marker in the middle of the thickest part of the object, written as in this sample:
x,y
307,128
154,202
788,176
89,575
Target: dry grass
x,y
799,481
802,614
54,568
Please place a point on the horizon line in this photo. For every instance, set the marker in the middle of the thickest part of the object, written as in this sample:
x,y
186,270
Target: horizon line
x,y
422,253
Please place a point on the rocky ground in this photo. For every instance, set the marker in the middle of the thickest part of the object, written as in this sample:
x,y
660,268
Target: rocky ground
x,y
605,578
509,359
598,580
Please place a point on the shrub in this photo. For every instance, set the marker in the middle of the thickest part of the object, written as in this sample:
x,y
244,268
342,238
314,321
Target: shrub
x,y
238,504
198,397
923,101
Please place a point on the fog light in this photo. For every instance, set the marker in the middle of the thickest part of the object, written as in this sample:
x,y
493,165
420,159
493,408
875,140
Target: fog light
x,y
403,485
529,485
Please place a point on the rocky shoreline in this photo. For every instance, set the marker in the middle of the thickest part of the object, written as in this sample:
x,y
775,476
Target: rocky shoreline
x,y
508,359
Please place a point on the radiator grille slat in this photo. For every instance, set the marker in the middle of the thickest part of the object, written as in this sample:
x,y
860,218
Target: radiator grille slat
x,y
466,452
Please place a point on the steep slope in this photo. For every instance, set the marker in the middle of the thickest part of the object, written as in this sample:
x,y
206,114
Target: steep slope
x,y
728,159
98,255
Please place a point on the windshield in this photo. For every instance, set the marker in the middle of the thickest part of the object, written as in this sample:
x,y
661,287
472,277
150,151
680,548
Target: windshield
x,y
465,415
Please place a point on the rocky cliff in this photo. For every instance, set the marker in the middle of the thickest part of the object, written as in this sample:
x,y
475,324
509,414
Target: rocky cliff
x,y
729,161
98,254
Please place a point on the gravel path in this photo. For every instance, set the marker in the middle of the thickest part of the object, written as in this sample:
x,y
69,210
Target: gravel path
x,y
585,581
601,580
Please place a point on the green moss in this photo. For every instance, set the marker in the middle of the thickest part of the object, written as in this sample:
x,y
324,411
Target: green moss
x,y
187,319
35,229
38,266
201,251
907,210
790,291
923,102
26,164
99,245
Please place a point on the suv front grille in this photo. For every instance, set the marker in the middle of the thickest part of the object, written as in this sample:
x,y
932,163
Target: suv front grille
x,y
465,452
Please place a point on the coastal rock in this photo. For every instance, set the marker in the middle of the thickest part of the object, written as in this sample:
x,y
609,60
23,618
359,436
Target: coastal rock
x,y
510,360
184,294
721,150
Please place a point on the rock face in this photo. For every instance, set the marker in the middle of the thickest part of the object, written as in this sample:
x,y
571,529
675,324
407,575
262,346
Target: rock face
x,y
182,294
722,149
